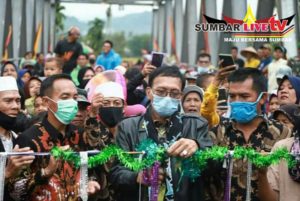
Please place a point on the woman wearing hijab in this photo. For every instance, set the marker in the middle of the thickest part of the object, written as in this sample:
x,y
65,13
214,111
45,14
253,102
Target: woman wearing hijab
x,y
289,90
22,122
10,69
279,182
24,76
287,115
84,75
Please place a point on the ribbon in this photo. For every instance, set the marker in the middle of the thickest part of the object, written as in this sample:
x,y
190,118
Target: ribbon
x,y
140,185
3,158
154,182
83,175
249,174
229,176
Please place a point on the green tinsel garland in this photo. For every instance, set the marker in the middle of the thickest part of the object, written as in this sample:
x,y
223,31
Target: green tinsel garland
x,y
67,155
154,152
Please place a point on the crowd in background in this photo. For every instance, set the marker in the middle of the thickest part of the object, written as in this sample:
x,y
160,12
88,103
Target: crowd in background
x,y
85,101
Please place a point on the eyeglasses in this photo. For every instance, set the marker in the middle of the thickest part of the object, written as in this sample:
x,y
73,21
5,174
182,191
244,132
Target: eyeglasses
x,y
163,93
203,62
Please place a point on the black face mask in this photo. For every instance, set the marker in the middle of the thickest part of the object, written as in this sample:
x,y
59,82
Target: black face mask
x,y
111,116
92,61
7,122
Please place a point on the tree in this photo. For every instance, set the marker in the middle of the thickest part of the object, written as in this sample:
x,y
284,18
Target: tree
x,y
59,17
138,42
94,36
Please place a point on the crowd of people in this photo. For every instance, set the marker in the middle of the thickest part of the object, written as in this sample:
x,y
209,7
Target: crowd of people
x,y
82,102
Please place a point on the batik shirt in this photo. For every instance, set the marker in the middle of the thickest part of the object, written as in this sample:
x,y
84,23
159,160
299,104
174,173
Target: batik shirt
x,y
100,137
64,183
262,139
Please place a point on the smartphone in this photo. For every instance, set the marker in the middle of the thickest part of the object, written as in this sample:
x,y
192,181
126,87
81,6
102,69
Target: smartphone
x,y
227,60
157,59
223,96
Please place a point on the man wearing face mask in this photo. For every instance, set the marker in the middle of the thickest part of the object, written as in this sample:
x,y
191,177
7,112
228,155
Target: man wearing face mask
x,y
181,134
247,127
47,178
107,108
9,109
204,63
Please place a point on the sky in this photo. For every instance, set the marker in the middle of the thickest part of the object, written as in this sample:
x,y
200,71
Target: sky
x,y
88,12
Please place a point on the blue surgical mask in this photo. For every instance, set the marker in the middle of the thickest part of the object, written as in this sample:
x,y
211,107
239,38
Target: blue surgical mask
x,y
66,110
202,70
165,106
244,112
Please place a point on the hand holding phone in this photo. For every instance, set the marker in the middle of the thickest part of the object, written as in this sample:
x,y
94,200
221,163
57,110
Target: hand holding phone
x,y
223,96
227,60
157,59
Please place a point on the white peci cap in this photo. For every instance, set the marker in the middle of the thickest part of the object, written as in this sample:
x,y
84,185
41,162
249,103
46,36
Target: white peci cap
x,y
8,83
110,90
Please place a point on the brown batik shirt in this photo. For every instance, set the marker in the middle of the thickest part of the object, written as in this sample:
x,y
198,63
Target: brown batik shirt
x,y
100,137
64,183
262,139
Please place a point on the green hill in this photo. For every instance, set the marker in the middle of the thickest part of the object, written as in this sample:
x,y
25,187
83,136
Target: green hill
x,y
132,24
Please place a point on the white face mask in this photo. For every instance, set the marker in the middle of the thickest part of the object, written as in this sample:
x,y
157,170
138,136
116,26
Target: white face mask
x,y
182,71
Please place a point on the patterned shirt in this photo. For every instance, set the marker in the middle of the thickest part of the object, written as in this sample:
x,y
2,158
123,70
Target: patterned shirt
x,y
100,137
64,183
262,138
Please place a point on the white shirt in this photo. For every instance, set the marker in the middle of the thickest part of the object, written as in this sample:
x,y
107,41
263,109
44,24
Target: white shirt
x,y
273,67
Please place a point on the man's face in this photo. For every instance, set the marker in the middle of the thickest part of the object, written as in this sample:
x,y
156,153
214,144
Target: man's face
x,y
81,115
244,92
203,61
112,102
75,34
266,52
51,68
82,61
63,89
10,102
162,84
260,53
106,48
234,53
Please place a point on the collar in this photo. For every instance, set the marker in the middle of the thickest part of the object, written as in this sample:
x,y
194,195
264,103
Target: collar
x,y
265,122
158,124
53,132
